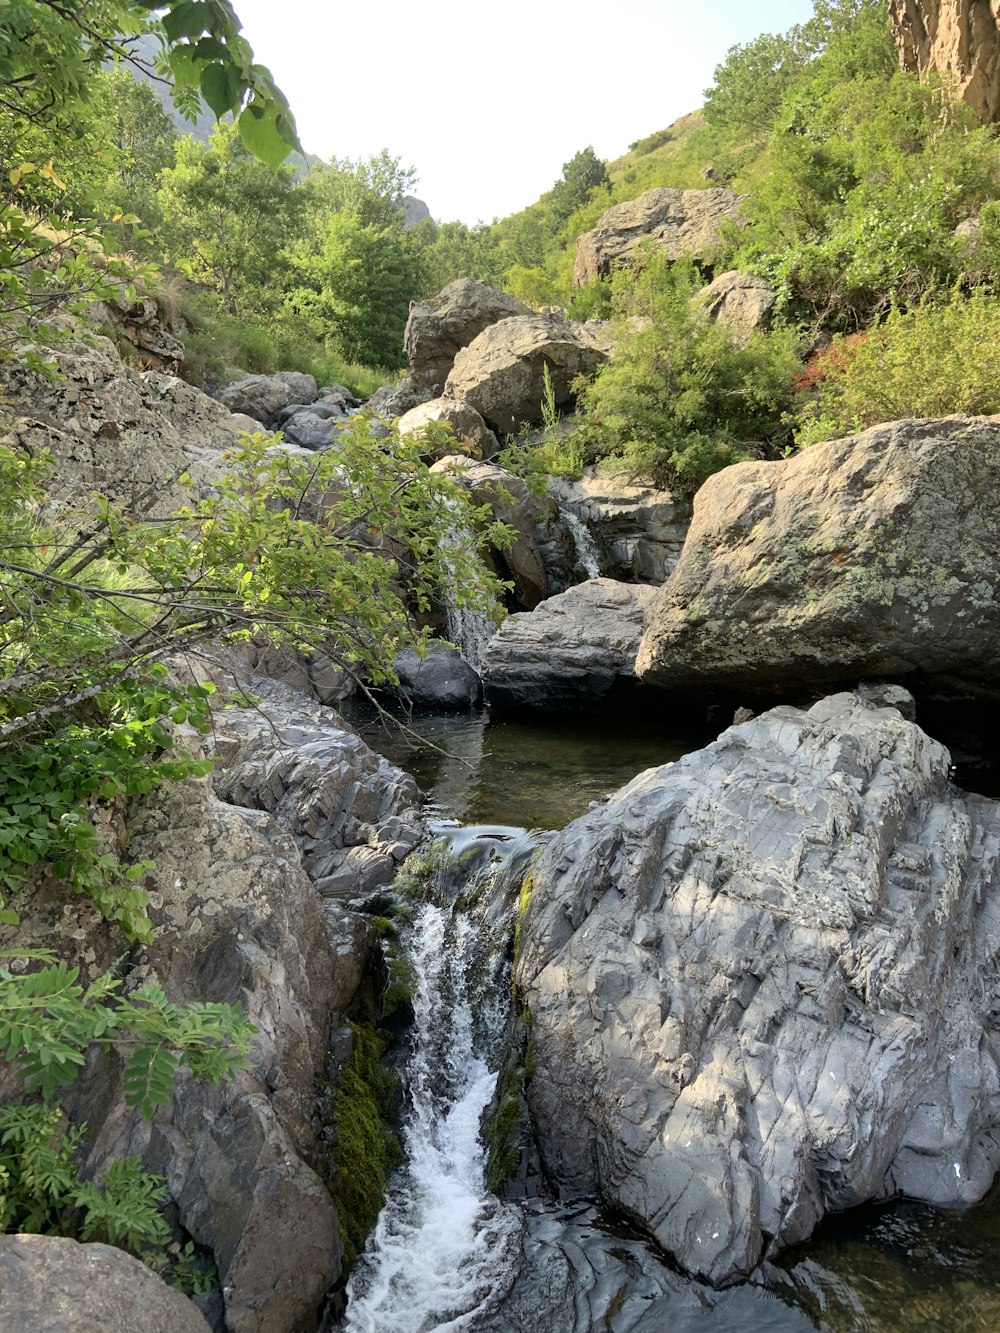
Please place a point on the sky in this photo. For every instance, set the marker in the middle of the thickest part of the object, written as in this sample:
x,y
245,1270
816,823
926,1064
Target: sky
x,y
488,101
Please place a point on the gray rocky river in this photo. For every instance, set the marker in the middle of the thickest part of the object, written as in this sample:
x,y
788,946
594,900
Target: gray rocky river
x,y
448,1255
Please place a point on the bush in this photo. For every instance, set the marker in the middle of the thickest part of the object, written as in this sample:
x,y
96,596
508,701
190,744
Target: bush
x,y
933,361
681,398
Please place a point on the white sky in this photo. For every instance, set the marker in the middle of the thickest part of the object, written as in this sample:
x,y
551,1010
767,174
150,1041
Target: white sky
x,y
488,101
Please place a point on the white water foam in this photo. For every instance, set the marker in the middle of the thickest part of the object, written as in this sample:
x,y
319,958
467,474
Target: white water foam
x,y
588,558
441,1249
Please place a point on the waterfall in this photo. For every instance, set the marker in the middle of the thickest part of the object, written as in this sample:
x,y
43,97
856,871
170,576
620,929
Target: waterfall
x,y
443,1248
588,558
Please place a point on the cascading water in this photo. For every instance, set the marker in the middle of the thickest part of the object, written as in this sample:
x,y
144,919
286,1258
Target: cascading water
x,y
442,1250
588,558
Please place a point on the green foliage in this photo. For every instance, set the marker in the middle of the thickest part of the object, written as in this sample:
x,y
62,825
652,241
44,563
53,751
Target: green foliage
x,y
229,216
681,398
367,1148
41,1192
48,1021
359,281
373,189
932,361
584,173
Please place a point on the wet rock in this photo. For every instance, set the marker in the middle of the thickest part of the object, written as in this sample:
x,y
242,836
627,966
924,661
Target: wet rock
x,y
640,529
467,426
679,222
441,326
740,301
52,1285
760,982
571,650
870,556
501,373
441,680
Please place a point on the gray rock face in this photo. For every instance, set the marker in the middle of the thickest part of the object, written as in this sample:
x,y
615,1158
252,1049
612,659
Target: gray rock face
x,y
395,400
312,430
869,556
118,431
680,222
501,372
264,396
441,326
641,530
442,679
350,811
761,983
139,321
464,420
52,1285
740,301
570,650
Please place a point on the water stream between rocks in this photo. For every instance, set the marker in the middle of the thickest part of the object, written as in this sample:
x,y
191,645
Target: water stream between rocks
x,y
447,1255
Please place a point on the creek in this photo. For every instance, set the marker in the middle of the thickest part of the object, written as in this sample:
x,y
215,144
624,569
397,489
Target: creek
x,y
448,1255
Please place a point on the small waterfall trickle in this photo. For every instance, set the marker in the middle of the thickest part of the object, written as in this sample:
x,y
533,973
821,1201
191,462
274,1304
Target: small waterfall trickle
x,y
442,1250
588,557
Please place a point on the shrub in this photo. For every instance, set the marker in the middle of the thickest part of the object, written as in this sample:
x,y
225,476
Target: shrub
x,y
681,398
932,361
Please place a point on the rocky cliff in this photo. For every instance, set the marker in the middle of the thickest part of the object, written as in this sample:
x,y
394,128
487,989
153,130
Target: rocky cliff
x,y
958,39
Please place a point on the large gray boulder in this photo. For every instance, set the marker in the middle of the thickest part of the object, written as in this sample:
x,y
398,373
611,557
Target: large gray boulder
x,y
501,373
439,327
52,1285
263,397
678,222
571,650
761,984
741,302
639,529
875,555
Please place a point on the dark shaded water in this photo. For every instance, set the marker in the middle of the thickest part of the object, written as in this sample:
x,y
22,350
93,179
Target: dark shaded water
x,y
899,1268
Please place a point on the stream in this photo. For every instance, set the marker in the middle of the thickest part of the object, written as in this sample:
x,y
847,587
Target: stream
x,y
448,1255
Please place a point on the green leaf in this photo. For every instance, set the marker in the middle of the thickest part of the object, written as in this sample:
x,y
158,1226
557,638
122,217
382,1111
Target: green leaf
x,y
222,88
258,127
189,19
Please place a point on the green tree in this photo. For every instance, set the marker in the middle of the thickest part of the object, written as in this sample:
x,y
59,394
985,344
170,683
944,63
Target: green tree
x,y
584,173
357,284
372,188
229,216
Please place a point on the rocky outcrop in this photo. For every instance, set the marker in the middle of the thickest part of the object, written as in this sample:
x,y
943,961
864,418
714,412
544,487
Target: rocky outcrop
x,y
466,424
512,503
264,397
353,815
678,222
640,530
52,1285
761,983
874,555
741,302
395,400
441,326
501,373
115,430
571,650
958,39
139,323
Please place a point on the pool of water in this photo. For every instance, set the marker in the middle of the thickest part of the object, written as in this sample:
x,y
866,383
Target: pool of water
x,y
533,772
